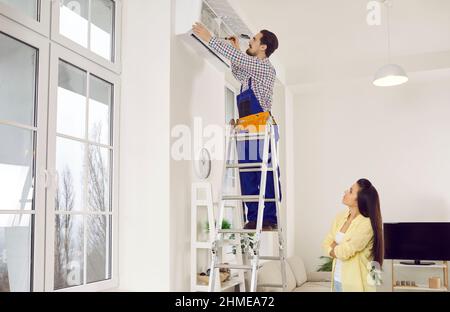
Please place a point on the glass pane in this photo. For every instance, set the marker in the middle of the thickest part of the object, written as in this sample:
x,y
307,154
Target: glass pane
x,y
102,21
16,169
73,20
28,7
15,252
210,20
70,168
69,247
98,178
100,97
98,251
17,81
71,119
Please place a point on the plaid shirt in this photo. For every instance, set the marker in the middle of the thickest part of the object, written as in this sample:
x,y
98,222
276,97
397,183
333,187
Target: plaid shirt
x,y
244,66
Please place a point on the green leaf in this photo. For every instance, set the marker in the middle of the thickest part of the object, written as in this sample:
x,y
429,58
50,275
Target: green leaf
x,y
327,265
226,225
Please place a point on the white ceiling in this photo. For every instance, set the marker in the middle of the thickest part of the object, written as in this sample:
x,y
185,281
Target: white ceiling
x,y
326,40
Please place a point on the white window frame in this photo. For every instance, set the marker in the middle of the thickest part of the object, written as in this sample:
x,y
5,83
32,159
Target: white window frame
x,y
57,53
38,34
41,44
116,65
232,88
41,26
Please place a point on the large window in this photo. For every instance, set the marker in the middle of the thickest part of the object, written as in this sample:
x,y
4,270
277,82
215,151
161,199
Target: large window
x,y
18,68
23,60
84,153
58,164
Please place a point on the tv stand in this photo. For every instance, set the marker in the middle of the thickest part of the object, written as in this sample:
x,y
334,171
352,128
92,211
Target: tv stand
x,y
412,265
417,262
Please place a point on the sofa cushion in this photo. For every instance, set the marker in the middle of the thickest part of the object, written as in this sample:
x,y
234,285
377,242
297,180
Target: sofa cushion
x,y
270,273
319,276
314,287
298,268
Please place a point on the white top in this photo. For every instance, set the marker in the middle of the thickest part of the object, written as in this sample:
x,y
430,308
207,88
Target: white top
x,y
337,269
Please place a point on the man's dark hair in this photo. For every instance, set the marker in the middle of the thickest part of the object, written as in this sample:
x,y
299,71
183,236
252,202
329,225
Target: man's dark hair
x,y
270,40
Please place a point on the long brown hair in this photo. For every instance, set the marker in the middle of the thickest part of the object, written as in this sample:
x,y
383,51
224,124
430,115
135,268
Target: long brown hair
x,y
369,207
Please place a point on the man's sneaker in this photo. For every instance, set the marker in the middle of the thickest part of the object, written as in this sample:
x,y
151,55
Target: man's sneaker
x,y
273,226
250,225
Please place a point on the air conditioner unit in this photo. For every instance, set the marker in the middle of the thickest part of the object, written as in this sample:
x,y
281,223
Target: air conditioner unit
x,y
190,11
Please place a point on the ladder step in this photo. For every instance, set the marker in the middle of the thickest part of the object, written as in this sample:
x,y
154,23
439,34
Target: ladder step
x,y
270,258
249,135
250,139
245,231
271,285
237,231
254,170
248,167
245,165
233,266
246,198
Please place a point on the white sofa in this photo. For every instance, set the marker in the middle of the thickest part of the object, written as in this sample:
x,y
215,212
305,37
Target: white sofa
x,y
298,280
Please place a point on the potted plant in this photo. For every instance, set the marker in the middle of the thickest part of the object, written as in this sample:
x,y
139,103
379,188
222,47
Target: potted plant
x,y
226,225
327,265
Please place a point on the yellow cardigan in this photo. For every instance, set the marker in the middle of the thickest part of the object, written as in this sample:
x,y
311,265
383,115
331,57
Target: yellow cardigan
x,y
354,251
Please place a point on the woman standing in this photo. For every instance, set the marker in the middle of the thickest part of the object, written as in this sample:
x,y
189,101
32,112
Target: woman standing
x,y
356,239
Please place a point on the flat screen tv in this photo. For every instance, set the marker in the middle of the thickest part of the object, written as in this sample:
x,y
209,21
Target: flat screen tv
x,y
417,241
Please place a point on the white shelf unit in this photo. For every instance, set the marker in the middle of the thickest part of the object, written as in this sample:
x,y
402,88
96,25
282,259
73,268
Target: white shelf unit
x,y
433,266
201,197
420,287
233,282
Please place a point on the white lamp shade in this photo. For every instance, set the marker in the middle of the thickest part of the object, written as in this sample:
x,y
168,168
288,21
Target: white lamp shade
x,y
390,75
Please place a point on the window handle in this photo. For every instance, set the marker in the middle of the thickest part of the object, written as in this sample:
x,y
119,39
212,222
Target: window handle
x,y
51,178
46,180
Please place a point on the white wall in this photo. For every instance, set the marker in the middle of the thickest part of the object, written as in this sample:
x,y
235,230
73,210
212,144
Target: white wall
x,y
396,137
289,173
145,136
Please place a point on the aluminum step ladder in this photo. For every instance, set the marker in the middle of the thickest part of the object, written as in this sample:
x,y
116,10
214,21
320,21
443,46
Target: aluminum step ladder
x,y
233,136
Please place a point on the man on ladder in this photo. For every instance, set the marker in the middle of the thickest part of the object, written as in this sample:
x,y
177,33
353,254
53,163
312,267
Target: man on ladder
x,y
257,75
258,172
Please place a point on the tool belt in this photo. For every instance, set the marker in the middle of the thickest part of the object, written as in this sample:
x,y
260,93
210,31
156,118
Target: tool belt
x,y
253,123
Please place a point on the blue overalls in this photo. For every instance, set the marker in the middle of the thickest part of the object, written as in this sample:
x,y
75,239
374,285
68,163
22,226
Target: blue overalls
x,y
252,151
